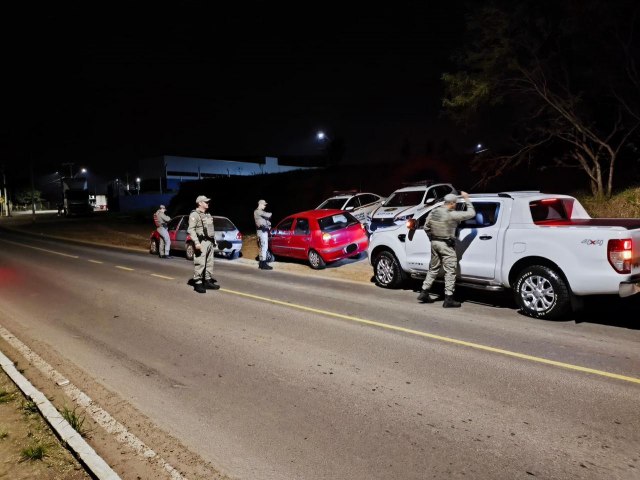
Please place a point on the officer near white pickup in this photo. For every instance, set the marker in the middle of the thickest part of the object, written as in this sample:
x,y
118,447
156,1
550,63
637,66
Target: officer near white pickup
x,y
263,224
160,218
441,227
201,231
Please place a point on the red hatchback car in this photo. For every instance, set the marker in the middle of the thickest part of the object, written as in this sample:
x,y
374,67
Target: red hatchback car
x,y
320,236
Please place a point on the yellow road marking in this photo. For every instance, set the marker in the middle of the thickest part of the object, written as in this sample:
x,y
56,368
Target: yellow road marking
x,y
94,261
162,276
124,268
455,341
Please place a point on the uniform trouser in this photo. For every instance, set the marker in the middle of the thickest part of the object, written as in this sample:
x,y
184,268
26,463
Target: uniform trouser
x,y
203,261
442,255
263,244
165,241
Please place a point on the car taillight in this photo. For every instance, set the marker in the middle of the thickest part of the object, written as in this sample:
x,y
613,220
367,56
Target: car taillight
x,y
239,236
619,253
326,237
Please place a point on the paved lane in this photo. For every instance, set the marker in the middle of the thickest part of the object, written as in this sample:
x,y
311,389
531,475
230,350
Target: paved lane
x,y
275,376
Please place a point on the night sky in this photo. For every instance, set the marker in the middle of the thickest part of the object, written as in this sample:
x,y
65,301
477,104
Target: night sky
x,y
102,86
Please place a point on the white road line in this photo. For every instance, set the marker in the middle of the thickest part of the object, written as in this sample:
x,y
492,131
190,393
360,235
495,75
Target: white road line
x,y
124,268
162,276
94,261
100,416
41,249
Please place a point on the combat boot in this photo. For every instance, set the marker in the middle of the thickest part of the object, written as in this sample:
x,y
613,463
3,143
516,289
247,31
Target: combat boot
x,y
199,287
210,284
425,297
449,302
265,266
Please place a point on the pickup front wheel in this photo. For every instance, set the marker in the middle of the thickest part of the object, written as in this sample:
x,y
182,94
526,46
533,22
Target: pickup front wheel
x,y
387,270
542,293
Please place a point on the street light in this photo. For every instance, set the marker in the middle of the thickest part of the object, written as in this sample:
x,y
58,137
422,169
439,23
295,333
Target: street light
x,y
138,184
322,136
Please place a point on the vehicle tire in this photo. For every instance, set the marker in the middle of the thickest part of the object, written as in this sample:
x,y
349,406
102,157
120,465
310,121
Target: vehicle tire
x,y
387,271
542,293
315,260
153,247
189,251
270,257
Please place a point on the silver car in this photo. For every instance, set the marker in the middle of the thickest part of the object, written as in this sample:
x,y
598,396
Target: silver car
x,y
227,235
359,204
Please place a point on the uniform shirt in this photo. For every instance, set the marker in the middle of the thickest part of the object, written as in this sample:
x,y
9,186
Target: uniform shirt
x,y
160,218
261,218
442,222
199,223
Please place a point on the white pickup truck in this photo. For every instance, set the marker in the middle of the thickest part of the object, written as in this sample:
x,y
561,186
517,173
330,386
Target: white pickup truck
x,y
545,248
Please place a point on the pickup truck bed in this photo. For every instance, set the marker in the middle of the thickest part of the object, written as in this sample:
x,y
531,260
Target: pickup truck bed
x,y
627,223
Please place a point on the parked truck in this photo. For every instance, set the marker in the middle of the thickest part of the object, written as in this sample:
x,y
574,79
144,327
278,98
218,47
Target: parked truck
x,y
75,198
545,248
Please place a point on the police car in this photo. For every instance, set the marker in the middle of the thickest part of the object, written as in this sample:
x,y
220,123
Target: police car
x,y
359,204
403,204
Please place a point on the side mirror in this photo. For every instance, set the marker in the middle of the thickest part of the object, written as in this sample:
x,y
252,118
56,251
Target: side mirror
x,y
412,224
429,201
349,208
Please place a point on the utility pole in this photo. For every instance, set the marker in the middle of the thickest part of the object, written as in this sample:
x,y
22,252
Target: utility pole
x,y
70,165
5,204
33,192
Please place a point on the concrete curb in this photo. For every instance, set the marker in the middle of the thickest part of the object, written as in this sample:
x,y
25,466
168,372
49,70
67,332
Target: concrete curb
x,y
88,456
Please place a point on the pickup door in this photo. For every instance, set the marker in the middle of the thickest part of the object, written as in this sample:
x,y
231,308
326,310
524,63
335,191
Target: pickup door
x,y
477,244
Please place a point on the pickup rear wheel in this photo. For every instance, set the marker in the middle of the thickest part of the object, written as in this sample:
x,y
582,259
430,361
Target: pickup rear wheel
x,y
387,270
542,293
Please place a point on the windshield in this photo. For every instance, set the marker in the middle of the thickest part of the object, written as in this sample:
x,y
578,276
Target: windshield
x,y
332,203
336,222
223,224
404,199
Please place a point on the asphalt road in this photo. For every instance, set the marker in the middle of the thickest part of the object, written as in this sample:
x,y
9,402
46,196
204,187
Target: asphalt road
x,y
282,376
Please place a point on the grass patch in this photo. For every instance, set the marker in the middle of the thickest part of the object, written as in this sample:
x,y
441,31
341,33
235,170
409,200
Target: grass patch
x,y
34,452
75,420
624,204
29,407
4,433
5,395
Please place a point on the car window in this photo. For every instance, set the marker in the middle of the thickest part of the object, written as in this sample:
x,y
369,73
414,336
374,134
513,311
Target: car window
x,y
285,225
184,225
332,203
173,223
404,199
336,222
354,202
368,198
223,224
302,227
486,215
547,209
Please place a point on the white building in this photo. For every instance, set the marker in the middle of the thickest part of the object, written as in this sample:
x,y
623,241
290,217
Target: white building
x,y
173,170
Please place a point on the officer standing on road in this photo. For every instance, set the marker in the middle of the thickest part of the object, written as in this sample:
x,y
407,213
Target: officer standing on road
x,y
201,231
441,227
160,218
263,224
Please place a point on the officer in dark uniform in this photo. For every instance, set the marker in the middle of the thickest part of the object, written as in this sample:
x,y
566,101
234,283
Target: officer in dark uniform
x,y
201,231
